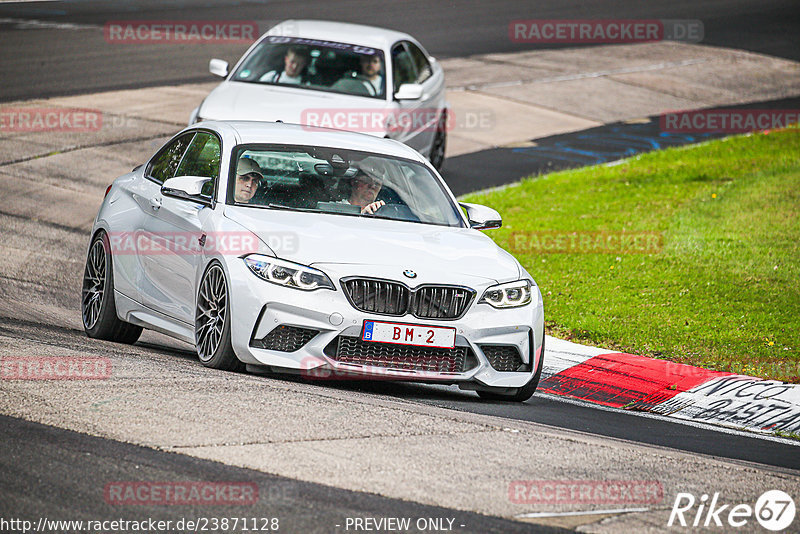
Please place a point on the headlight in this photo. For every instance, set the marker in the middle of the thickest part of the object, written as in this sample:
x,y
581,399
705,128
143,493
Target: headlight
x,y
287,274
510,295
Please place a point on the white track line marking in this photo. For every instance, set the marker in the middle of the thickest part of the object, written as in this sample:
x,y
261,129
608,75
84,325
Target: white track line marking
x,y
583,512
34,24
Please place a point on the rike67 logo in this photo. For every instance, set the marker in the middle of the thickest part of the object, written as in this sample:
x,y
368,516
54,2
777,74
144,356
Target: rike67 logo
x,y
774,510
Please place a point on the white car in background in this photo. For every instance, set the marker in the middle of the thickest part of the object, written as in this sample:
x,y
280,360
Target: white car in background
x,y
254,242
403,98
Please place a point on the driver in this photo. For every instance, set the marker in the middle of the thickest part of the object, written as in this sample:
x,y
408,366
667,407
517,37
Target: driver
x,y
371,67
248,178
365,186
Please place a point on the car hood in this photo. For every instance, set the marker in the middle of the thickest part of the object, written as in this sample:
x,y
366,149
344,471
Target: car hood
x,y
259,102
379,246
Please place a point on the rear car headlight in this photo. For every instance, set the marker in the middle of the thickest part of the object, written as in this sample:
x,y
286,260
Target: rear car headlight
x,y
287,274
509,295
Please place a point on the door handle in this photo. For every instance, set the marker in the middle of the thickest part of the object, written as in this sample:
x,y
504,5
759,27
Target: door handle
x,y
155,203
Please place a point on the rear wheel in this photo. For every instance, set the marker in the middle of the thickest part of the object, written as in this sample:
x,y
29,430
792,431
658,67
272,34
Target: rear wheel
x,y
98,310
439,144
212,323
522,394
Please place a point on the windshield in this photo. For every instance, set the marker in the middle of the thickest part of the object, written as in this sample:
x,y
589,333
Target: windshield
x,y
327,180
314,64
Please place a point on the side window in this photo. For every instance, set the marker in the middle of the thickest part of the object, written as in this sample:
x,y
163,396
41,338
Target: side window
x,y
202,157
424,70
403,66
164,165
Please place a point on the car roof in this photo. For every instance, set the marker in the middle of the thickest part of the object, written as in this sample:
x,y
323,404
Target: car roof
x,y
357,34
293,134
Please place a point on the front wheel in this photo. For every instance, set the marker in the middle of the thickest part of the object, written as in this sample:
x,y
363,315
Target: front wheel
x,y
212,323
98,310
522,394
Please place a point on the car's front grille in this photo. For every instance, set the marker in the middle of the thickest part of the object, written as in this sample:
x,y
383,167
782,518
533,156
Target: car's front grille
x,y
285,338
393,298
378,296
440,302
347,349
504,358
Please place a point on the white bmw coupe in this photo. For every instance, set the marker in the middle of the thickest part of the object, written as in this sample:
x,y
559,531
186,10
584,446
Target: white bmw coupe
x,y
336,75
285,248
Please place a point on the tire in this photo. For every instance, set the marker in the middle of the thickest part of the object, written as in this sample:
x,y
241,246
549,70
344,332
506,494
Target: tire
x,y
522,394
439,144
98,310
212,322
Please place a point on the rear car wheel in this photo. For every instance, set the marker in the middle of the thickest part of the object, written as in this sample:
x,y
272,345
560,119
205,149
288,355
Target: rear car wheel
x,y
522,394
212,323
439,144
98,309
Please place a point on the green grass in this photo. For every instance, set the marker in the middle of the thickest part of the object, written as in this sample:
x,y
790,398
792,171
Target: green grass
x,y
722,289
790,435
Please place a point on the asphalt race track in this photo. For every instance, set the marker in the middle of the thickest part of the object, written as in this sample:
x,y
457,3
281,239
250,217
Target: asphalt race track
x,y
554,411
58,59
63,463
603,144
53,61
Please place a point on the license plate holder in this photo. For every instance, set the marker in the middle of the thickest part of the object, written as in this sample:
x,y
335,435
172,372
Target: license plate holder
x,y
419,335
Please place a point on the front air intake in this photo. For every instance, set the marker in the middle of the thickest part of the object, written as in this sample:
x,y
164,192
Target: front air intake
x,y
285,338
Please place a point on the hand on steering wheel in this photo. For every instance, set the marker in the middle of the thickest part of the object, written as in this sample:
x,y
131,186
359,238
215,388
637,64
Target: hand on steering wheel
x,y
371,209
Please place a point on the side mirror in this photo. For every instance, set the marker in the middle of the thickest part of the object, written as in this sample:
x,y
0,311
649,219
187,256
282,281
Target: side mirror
x,y
187,188
482,217
218,67
409,91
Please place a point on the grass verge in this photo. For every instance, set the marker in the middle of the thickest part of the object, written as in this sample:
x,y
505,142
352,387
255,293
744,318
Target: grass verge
x,y
689,254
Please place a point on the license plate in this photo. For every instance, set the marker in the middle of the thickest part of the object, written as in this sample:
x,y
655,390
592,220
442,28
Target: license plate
x,y
409,334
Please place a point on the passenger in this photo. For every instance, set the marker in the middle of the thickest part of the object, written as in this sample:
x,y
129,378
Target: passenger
x,y
248,178
294,63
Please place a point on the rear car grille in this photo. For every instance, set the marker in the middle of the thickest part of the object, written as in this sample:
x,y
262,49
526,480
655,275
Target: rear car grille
x,y
285,338
385,297
504,358
407,357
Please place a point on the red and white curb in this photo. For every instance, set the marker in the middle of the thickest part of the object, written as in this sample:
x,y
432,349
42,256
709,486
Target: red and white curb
x,y
685,392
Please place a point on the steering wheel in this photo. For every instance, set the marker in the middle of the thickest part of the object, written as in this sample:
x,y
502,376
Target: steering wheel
x,y
398,212
367,83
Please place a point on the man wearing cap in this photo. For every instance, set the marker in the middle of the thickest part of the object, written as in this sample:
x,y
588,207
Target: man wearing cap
x,y
248,178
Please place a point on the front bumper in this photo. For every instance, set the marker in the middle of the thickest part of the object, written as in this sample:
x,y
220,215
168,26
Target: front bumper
x,y
312,324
